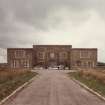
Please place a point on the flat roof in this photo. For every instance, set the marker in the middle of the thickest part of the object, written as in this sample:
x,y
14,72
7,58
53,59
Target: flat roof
x,y
53,45
19,48
84,48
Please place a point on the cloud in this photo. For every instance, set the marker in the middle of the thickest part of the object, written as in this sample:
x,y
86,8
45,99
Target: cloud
x,y
80,23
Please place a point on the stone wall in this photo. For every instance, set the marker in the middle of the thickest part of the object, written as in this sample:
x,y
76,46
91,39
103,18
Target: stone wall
x,y
83,58
52,55
20,57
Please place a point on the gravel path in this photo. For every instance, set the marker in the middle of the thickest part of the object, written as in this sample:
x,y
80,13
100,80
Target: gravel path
x,y
54,88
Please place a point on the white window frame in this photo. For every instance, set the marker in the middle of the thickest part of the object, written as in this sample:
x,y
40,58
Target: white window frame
x,y
88,55
20,53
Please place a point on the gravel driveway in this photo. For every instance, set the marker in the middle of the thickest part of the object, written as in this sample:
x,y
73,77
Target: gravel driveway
x,y
53,87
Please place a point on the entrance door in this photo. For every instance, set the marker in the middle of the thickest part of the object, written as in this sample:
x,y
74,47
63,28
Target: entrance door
x,y
52,63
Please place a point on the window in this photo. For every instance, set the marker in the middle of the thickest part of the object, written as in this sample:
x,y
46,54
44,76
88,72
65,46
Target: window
x,y
78,63
19,53
26,63
84,54
63,55
89,64
41,55
14,63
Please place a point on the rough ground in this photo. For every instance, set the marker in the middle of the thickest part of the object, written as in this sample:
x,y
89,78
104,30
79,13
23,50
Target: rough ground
x,y
54,88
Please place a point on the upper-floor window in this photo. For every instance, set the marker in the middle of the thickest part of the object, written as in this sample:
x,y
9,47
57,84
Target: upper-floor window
x,y
19,53
84,54
63,55
41,55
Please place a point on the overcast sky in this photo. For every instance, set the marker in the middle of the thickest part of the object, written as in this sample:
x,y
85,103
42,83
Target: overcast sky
x,y
80,23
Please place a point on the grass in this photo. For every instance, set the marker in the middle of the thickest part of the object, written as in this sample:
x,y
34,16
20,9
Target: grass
x,y
12,79
93,79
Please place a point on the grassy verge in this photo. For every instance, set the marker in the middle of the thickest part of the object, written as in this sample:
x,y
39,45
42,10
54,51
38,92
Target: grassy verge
x,y
92,81
11,80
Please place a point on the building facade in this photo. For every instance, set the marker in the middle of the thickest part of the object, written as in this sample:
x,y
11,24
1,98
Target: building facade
x,y
52,55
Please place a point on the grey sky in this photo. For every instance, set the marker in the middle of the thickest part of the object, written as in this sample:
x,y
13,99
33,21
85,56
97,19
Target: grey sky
x,y
77,22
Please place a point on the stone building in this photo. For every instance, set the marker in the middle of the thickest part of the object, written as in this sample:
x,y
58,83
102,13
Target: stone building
x,y
20,57
51,56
